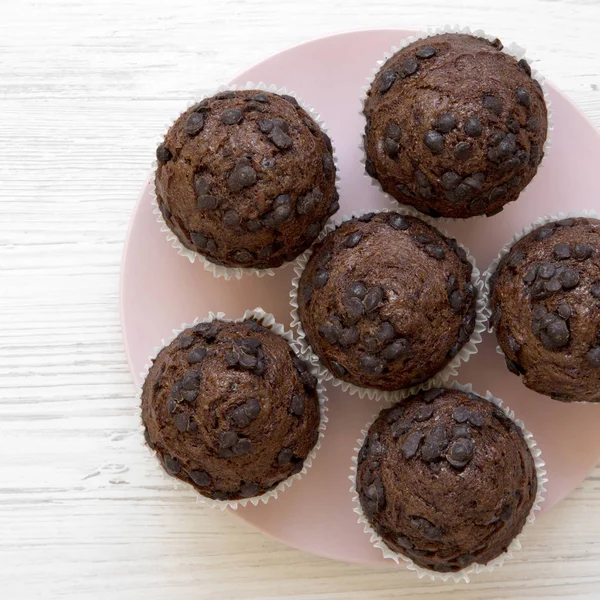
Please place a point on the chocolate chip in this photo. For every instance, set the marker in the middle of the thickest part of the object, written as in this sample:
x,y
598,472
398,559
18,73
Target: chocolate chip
x,y
533,124
354,308
357,289
242,447
461,431
353,239
450,180
565,223
426,52
307,292
553,285
462,150
387,79
181,422
194,123
476,419
431,395
434,141
242,256
148,440
398,222
404,189
171,464
225,95
427,529
515,259
227,439
546,270
593,357
385,332
409,67
373,298
457,300
248,490
244,414
523,96
525,66
582,251
538,290
298,405
421,179
327,161
231,116
196,355
424,413
265,125
285,456
231,219
555,336
396,349
595,289
320,279
498,192
207,202
493,104
514,126
374,496
191,380
200,478
460,452
507,146
290,99
349,336
393,131
242,176
451,284
435,443
564,311
445,123
372,364
391,147
562,251
307,203
253,225
436,252
163,154
569,278
338,369
461,414
207,331
411,443
473,127
281,139
404,542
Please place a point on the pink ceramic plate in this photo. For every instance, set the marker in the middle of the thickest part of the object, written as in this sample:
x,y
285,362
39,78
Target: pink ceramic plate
x,y
160,290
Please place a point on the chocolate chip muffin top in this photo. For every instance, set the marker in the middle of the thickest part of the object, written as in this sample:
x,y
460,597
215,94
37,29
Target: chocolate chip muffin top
x,y
455,127
446,478
230,409
386,301
545,298
246,178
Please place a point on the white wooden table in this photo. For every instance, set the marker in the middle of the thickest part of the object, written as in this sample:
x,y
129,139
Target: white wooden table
x,y
86,89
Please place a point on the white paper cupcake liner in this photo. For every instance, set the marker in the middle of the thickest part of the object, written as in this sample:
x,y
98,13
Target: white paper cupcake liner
x,y
450,370
591,214
512,49
220,270
475,568
268,321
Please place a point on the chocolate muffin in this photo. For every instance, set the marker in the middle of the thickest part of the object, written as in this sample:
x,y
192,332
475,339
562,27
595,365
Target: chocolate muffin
x,y
455,127
230,409
386,301
446,478
246,178
545,298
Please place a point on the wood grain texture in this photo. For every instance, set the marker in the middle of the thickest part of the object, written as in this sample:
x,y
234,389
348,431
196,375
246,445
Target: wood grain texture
x,y
86,90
